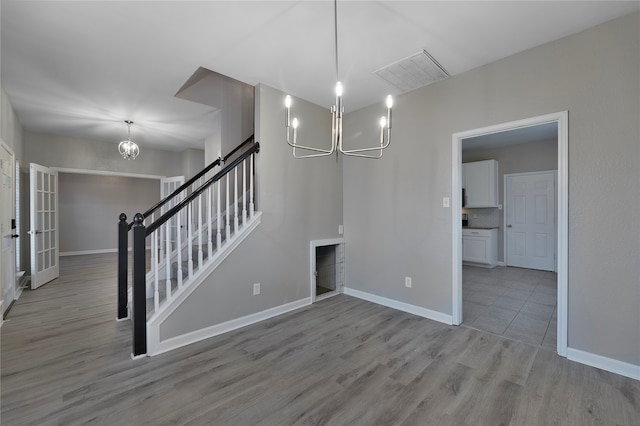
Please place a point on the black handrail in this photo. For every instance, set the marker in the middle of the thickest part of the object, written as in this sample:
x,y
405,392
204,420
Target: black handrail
x,y
188,183
124,228
175,209
140,232
237,148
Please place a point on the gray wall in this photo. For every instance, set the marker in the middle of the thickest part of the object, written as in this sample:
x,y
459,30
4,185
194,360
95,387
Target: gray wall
x,y
12,133
83,154
395,224
10,127
521,158
89,207
301,201
74,153
192,161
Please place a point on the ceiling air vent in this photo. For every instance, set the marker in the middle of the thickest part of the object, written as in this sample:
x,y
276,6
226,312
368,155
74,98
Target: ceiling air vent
x,y
411,73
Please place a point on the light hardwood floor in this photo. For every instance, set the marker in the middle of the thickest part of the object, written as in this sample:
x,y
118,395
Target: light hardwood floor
x,y
343,361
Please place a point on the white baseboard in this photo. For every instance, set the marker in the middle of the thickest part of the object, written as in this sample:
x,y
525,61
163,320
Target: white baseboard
x,y
608,364
225,327
83,252
401,306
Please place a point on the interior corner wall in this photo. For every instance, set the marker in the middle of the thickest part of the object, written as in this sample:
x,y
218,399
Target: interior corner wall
x,y
519,158
10,127
395,225
192,161
300,200
213,144
237,114
89,207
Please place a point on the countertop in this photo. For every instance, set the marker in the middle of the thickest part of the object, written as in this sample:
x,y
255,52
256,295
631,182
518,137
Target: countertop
x,y
480,227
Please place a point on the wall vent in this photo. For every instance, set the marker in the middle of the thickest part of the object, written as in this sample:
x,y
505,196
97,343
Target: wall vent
x,y
413,72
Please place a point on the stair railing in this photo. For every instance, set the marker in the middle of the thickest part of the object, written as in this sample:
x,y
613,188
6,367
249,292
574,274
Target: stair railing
x,y
203,200
124,227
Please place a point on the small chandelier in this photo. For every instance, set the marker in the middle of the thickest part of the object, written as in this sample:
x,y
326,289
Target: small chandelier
x,y
128,148
337,111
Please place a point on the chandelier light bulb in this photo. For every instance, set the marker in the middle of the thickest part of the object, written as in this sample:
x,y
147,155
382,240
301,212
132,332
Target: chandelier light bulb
x,y
294,123
389,101
287,101
383,122
338,89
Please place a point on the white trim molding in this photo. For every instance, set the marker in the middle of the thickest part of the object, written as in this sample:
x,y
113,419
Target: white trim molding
x,y
83,252
562,118
225,327
312,266
401,306
106,173
608,364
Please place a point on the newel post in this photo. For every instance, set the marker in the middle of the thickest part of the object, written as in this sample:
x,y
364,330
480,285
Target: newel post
x,y
139,287
123,247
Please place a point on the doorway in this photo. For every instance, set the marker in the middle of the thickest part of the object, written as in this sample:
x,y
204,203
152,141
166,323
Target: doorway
x,y
530,225
561,120
8,232
327,268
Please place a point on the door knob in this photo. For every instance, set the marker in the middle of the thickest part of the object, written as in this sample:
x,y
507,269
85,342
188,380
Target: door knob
x,y
509,226
15,236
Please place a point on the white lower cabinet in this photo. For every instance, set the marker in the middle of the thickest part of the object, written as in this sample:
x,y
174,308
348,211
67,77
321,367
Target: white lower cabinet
x,y
480,247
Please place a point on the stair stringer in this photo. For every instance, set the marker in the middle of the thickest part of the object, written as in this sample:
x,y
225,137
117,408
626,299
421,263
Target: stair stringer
x,y
154,344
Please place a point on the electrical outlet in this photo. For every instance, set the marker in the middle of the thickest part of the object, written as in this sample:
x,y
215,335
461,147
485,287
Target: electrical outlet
x,y
340,229
256,288
445,201
407,282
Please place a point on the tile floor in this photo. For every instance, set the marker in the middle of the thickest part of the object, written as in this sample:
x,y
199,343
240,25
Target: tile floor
x,y
513,302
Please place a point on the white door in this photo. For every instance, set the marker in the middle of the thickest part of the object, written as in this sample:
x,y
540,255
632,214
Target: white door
x,y
7,213
530,220
44,224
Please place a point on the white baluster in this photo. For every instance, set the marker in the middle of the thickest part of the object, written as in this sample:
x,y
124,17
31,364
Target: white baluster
x,y
244,192
235,199
199,231
209,224
218,218
251,204
179,246
167,227
161,238
190,239
154,264
227,228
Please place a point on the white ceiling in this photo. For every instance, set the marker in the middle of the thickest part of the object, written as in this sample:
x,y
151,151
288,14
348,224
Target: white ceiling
x,y
529,134
79,68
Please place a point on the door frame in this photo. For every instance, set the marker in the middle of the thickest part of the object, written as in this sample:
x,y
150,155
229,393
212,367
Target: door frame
x,y
12,293
312,267
555,218
562,253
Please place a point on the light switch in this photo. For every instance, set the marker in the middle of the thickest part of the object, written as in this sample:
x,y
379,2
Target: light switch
x,y
445,202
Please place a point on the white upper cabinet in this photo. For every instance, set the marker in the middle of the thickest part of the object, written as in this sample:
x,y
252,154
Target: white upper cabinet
x,y
480,181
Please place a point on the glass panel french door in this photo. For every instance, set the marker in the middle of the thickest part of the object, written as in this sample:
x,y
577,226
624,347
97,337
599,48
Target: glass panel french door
x,y
44,224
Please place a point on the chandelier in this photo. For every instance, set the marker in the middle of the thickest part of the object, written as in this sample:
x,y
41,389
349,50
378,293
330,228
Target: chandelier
x,y
337,111
128,148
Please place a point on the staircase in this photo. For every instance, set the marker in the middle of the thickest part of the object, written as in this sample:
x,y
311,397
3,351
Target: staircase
x,y
196,228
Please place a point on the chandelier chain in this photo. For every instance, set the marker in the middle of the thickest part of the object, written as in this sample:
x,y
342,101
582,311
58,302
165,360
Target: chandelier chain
x,y
335,33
